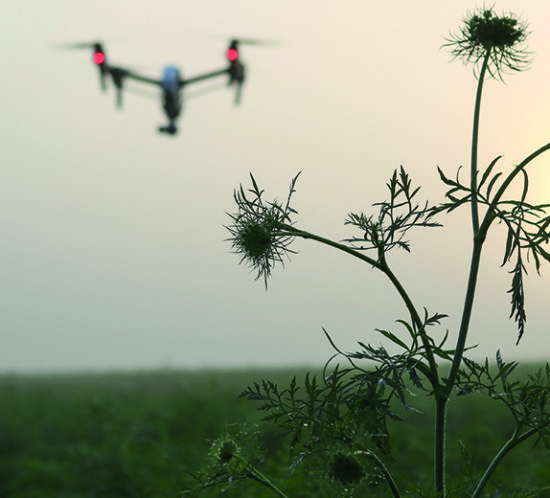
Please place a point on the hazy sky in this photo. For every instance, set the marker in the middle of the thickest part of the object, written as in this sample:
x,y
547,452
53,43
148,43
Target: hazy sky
x,y
113,250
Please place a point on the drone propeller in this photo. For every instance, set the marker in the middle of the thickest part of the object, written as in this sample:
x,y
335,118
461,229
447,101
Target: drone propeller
x,y
244,40
77,45
236,69
99,58
255,41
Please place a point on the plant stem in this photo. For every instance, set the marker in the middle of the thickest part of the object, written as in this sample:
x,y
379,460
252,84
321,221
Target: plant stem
x,y
433,377
466,314
431,372
257,476
508,446
475,140
479,239
380,264
489,216
439,445
441,399
385,471
295,232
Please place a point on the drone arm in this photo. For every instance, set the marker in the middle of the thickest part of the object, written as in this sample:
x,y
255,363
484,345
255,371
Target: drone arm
x,y
205,76
183,82
144,79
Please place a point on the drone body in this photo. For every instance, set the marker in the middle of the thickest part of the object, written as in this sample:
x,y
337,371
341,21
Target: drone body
x,y
171,83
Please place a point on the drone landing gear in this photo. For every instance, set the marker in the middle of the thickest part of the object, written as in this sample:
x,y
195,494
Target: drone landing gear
x,y
170,129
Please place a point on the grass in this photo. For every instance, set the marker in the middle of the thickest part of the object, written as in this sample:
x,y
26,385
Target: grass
x,y
140,434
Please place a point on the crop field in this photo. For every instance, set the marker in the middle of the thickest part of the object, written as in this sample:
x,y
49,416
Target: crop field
x,y
142,434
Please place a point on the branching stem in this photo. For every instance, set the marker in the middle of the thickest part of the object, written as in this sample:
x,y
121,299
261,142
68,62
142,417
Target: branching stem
x,y
441,399
380,264
490,215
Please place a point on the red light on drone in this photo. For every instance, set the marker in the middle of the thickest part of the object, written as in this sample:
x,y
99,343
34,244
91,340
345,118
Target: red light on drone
x,y
99,57
232,55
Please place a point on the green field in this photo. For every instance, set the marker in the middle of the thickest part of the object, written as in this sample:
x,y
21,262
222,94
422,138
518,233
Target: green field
x,y
140,434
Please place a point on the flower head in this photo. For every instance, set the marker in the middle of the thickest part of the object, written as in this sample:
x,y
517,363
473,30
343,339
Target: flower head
x,y
500,38
346,468
259,230
224,450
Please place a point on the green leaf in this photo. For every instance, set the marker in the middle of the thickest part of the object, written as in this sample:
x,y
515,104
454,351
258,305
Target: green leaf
x,y
492,183
436,318
393,338
544,254
487,172
508,251
446,180
525,185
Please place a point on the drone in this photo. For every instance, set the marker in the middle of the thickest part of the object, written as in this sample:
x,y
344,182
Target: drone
x,y
172,82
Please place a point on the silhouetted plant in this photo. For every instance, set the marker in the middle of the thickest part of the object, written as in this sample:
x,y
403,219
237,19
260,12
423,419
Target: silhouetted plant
x,y
343,419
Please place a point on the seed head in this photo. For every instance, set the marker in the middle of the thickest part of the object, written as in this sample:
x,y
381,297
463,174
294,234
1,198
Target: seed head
x,y
224,450
256,239
502,37
346,468
259,230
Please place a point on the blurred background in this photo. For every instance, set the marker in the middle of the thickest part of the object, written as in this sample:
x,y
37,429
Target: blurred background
x,y
113,241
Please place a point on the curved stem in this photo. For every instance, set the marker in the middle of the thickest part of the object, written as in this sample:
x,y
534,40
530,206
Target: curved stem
x,y
257,476
381,265
508,446
490,216
385,471
514,441
434,378
478,238
475,140
307,235
431,371
466,314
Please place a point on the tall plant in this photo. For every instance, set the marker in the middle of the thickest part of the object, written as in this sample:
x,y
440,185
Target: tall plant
x,y
345,416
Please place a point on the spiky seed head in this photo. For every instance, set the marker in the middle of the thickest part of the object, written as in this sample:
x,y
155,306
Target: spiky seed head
x,y
224,450
502,37
255,240
346,468
260,230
